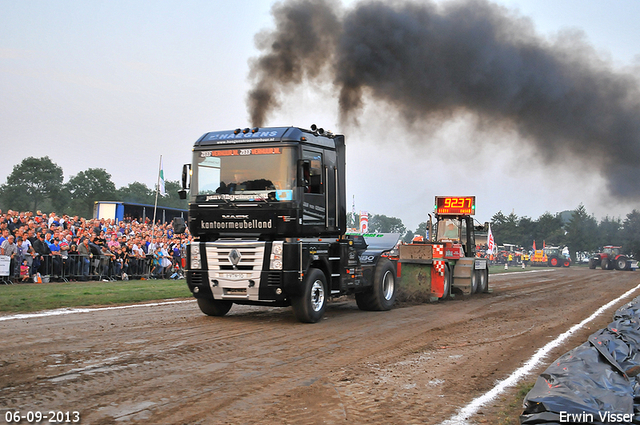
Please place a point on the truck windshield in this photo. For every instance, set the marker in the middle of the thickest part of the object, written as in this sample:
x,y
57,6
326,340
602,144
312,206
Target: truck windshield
x,y
249,174
449,229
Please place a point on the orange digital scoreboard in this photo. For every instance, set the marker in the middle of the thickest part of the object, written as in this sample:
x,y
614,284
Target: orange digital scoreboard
x,y
455,205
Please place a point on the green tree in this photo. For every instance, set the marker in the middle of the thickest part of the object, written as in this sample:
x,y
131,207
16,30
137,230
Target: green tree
x,y
32,183
631,227
581,232
353,221
171,198
505,228
380,223
610,232
526,229
136,192
421,230
549,229
408,237
89,186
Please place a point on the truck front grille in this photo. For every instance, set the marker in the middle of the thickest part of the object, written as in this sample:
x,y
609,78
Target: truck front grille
x,y
249,256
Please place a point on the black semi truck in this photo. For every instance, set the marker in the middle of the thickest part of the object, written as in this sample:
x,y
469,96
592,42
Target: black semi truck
x,y
267,210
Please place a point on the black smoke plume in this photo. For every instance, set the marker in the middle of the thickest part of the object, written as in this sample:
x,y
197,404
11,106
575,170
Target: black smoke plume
x,y
431,61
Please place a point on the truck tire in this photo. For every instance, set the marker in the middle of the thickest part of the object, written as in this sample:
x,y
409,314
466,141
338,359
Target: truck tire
x,y
310,306
363,300
553,262
384,286
474,282
214,307
621,263
382,294
448,277
566,263
592,263
604,263
483,280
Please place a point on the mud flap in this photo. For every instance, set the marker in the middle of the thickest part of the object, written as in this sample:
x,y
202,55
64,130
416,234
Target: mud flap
x,y
437,278
463,272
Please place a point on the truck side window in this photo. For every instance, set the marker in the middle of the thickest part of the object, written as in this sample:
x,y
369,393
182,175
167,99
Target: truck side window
x,y
313,172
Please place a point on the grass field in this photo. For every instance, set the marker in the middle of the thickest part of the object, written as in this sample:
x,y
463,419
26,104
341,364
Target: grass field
x,y
34,297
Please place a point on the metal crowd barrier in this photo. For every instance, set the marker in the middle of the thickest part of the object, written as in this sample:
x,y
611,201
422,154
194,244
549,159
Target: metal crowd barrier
x,y
75,267
5,269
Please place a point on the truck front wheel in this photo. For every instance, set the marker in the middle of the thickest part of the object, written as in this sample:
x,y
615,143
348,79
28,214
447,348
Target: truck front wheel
x,y
310,306
213,307
604,263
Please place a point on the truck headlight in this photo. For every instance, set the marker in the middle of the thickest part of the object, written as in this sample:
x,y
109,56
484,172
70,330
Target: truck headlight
x,y
275,262
196,262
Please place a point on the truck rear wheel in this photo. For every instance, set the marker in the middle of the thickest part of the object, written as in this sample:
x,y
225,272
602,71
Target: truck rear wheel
x,y
384,286
483,280
553,262
311,305
214,307
363,300
474,281
382,295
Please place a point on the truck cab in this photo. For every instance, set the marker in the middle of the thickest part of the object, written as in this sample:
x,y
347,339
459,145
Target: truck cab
x,y
266,183
455,230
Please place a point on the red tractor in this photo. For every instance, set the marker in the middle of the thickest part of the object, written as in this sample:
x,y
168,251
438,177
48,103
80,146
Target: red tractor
x,y
610,258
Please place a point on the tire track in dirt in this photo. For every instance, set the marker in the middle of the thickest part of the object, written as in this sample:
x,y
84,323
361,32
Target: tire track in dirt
x,y
414,364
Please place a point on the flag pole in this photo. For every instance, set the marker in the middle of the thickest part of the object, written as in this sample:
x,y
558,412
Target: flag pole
x,y
155,206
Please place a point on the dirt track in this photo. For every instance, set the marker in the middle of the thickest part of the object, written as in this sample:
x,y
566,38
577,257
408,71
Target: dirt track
x,y
415,364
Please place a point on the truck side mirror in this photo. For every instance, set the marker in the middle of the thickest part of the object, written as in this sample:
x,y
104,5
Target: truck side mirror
x,y
186,181
178,225
186,172
304,169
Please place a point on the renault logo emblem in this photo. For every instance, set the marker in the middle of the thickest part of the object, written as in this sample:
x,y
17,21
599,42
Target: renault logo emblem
x,y
234,257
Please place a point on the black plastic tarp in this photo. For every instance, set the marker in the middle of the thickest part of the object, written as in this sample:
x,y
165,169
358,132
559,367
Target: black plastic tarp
x,y
595,382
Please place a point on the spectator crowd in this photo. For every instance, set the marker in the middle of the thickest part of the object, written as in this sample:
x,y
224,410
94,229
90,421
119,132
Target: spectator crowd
x,y
41,247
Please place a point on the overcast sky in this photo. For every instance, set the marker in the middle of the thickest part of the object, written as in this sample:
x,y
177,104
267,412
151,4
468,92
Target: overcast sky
x,y
116,84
